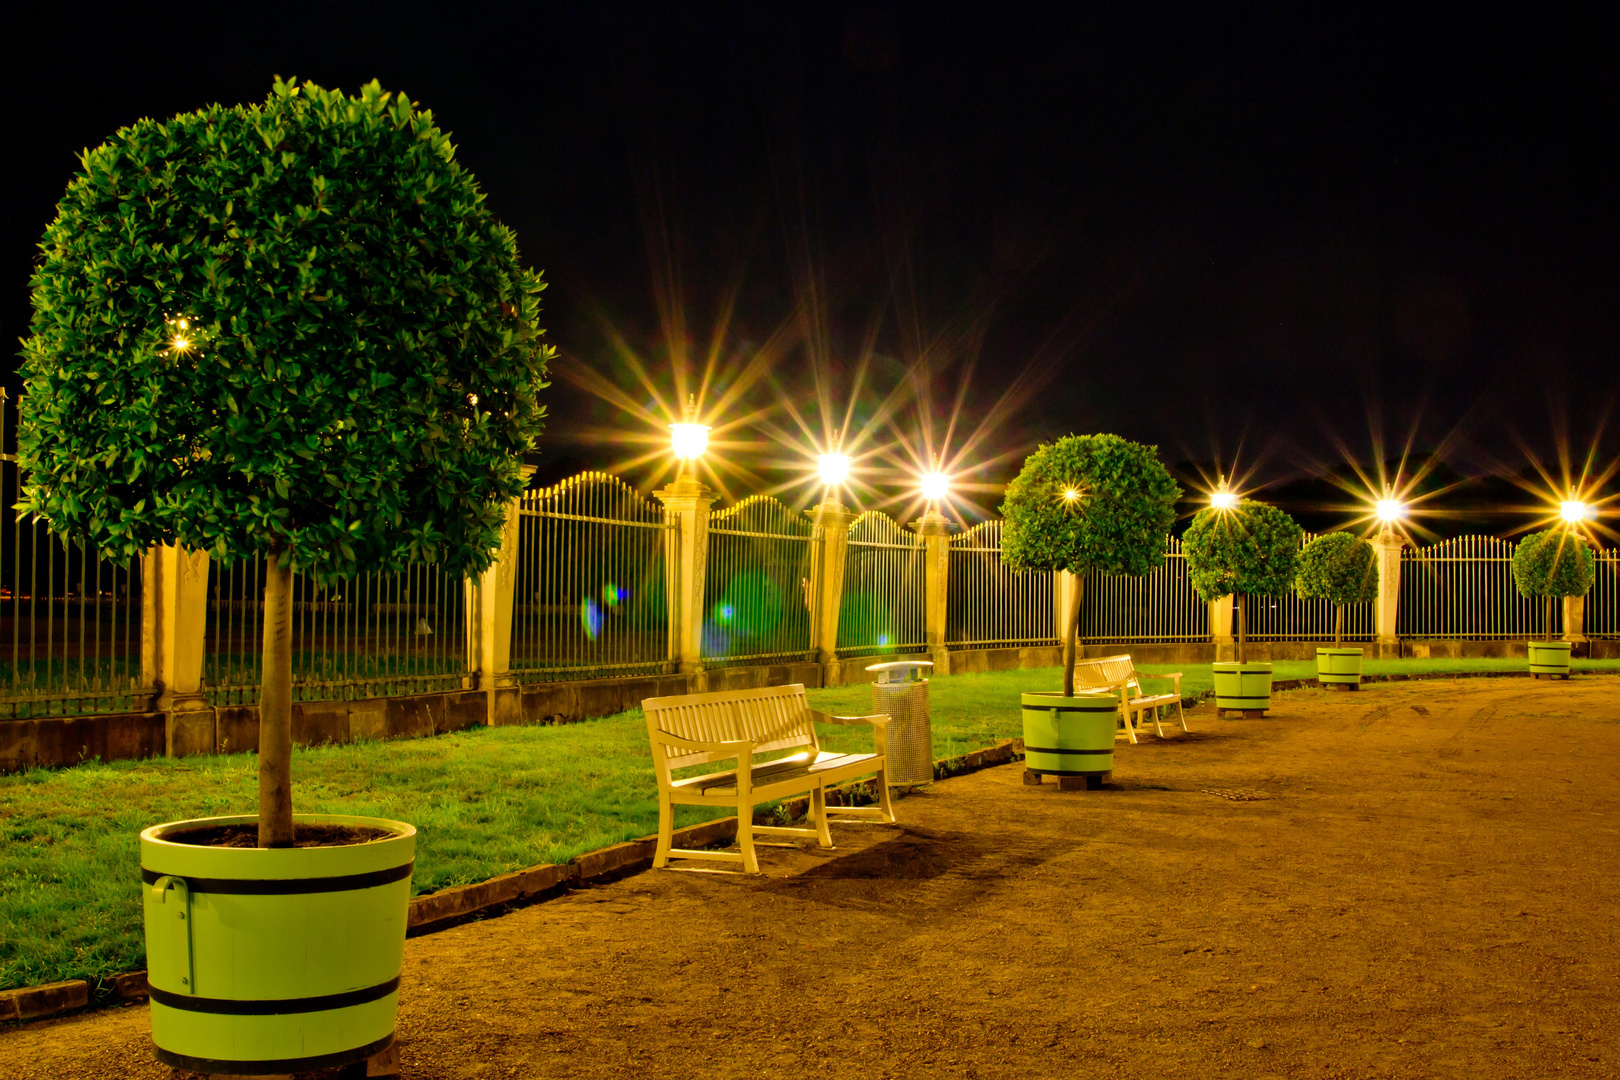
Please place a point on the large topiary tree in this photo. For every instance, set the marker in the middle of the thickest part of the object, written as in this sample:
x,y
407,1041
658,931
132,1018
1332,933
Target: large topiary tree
x,y
1245,549
1341,569
292,330
1553,564
1088,502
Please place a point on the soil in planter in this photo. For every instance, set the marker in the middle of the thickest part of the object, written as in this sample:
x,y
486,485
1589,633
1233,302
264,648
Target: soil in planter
x,y
247,835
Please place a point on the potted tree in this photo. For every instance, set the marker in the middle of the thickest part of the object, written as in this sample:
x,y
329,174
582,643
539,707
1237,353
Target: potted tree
x,y
1083,503
291,330
1240,550
1341,569
1547,566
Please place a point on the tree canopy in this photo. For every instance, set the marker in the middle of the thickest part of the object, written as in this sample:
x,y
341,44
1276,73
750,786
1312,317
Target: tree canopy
x,y
1248,548
1338,568
1554,563
294,326
1089,502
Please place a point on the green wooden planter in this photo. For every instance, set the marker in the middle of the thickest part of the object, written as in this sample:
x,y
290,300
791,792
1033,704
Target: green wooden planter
x,y
1549,658
274,961
1339,667
1243,688
1069,736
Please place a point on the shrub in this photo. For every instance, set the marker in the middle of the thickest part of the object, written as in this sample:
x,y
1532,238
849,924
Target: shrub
x,y
1341,569
1241,550
1088,502
294,330
1553,564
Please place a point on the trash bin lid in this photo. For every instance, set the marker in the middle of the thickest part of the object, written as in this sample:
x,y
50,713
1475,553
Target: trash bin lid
x,y
900,670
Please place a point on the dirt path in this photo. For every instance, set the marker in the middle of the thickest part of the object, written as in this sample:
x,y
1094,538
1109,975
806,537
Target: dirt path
x,y
1426,889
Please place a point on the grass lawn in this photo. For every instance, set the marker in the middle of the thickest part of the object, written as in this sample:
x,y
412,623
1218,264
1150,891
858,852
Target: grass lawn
x,y
484,802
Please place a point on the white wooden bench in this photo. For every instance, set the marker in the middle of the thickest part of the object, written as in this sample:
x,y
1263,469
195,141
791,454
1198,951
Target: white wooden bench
x,y
740,725
1118,675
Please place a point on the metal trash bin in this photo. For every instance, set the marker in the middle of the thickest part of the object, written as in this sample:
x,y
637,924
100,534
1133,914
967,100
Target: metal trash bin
x,y
901,691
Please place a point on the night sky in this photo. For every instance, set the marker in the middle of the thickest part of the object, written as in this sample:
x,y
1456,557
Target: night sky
x,y
1267,236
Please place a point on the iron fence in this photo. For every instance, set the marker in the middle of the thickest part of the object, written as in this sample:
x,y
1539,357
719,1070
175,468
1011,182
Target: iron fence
x,y
883,605
1160,606
1603,602
1291,618
1463,588
989,605
372,635
590,591
756,586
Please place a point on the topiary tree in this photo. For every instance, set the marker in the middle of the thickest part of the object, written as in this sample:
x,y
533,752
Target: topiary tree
x,y
1088,502
292,330
1553,564
1241,550
1341,569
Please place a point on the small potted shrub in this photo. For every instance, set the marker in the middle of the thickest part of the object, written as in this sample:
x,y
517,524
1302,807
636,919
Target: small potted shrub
x,y
1083,503
1241,550
1341,569
1548,566
291,331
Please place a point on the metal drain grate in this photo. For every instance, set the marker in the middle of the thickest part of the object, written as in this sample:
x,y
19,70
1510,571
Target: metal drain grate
x,y
1237,794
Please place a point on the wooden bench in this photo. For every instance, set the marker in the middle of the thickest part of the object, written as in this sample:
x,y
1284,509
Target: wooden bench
x,y
740,725
1118,675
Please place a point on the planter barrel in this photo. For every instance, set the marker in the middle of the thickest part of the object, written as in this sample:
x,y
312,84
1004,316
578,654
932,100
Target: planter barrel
x,y
1071,738
1549,659
1337,667
274,961
1242,688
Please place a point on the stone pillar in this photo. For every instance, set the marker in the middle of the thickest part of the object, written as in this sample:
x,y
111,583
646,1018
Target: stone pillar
x,y
489,600
935,533
1387,552
1220,628
174,620
832,523
686,552
1575,618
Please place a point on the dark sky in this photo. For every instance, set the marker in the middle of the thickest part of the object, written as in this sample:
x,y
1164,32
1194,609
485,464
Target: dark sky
x,y
1274,230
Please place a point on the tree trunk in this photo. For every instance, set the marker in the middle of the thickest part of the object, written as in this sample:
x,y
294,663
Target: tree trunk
x,y
1338,625
1548,617
1243,629
1070,633
275,706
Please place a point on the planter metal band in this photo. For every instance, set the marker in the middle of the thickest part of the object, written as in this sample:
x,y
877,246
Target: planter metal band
x,y
1063,750
274,1006
271,1067
288,886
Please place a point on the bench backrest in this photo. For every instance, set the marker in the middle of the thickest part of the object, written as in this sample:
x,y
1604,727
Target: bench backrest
x,y
770,717
1105,671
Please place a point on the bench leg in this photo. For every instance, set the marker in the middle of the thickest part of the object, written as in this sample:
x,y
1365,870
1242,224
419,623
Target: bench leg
x,y
883,795
745,839
818,815
666,831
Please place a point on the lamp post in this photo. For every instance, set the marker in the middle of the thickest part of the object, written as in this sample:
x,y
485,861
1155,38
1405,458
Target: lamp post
x,y
686,543
1387,545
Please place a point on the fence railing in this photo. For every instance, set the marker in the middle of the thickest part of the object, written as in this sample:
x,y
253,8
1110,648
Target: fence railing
x,y
1603,602
756,590
1290,618
988,605
591,578
1161,606
885,593
373,635
1463,588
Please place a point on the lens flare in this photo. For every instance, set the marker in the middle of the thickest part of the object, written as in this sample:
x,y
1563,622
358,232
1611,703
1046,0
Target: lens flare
x,y
935,486
1572,510
834,469
1389,510
1223,500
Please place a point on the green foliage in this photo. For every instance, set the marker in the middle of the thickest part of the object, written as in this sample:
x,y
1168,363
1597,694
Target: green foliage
x,y
1339,568
1558,562
1249,548
361,359
1124,505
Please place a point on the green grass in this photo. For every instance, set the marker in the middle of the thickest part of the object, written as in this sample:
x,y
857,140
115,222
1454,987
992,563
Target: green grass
x,y
485,802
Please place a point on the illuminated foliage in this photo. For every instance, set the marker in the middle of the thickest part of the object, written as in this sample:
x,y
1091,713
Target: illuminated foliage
x,y
1555,563
1338,568
1251,548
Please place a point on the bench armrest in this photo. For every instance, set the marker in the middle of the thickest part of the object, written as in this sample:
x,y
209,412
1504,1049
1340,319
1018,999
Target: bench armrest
x,y
730,749
876,720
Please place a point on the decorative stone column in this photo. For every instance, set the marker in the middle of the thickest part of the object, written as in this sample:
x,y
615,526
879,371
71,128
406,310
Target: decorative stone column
x,y
174,622
686,553
831,538
1575,618
489,600
1220,628
1387,552
935,533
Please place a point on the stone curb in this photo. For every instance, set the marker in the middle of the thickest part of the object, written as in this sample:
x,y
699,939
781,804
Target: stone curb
x,y
445,908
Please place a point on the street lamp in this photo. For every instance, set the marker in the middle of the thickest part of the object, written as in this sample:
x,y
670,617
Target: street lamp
x,y
1572,511
935,486
1223,500
688,440
834,469
1390,510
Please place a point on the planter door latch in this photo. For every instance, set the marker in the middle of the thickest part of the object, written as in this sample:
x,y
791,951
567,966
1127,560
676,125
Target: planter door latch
x,y
175,896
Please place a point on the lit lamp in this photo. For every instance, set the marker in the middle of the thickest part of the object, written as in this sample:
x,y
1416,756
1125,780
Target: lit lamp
x,y
834,469
1390,510
935,486
688,440
1223,500
1572,511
